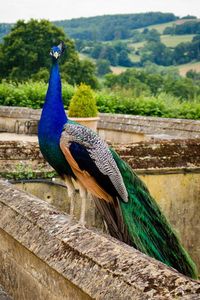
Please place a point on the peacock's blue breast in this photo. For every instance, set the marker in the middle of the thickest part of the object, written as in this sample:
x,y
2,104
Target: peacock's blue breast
x,y
53,154
49,142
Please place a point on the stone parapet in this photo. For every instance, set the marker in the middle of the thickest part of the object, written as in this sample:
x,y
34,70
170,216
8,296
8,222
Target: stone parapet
x,y
150,125
157,155
44,255
115,127
4,295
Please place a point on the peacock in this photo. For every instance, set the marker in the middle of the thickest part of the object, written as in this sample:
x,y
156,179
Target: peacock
x,y
79,155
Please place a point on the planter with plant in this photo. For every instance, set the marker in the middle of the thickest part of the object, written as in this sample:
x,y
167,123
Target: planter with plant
x,y
83,108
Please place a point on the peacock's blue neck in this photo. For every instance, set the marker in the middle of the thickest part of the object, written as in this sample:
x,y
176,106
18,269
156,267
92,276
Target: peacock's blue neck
x,y
51,125
53,115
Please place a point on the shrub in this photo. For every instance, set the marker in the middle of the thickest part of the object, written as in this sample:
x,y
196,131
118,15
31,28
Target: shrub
x,y
30,94
118,100
164,105
83,103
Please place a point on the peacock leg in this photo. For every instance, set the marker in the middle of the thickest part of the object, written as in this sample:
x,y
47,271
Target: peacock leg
x,y
71,194
83,195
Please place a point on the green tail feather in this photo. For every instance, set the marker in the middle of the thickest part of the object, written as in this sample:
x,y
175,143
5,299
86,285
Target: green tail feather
x,y
149,230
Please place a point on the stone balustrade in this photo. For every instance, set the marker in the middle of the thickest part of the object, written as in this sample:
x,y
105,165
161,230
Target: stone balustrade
x,y
44,255
117,128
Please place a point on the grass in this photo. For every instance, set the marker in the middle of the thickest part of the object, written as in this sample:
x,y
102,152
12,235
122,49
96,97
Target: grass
x,y
137,46
168,40
161,27
134,57
173,40
85,56
183,69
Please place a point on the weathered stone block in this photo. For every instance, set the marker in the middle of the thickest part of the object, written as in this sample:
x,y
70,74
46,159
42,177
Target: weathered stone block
x,y
44,255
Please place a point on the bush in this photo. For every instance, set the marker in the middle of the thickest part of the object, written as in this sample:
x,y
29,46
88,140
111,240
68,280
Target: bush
x,y
118,100
83,103
30,94
164,105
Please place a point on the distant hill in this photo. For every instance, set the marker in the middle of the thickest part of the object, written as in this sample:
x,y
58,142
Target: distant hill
x,y
111,27
105,28
132,40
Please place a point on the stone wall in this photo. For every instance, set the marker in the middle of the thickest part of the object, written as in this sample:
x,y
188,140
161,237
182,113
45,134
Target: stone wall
x,y
128,128
19,119
44,255
181,154
4,295
171,170
117,128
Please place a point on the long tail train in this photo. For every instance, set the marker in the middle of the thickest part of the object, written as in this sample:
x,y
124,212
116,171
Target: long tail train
x,y
142,225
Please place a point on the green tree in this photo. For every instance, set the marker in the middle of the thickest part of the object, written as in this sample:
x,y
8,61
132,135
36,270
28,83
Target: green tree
x,y
124,60
194,75
109,53
157,53
183,88
24,54
25,50
103,67
152,36
79,71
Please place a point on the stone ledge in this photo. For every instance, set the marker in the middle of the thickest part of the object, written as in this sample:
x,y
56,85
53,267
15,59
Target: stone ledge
x,y
150,125
98,265
25,120
181,155
4,295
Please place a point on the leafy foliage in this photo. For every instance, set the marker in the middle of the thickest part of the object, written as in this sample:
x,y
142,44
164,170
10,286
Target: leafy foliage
x,y
164,105
30,94
25,49
103,67
190,27
83,103
23,171
24,54
119,98
140,82
78,71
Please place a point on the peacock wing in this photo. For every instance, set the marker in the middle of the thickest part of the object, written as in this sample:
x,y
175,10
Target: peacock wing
x,y
83,167
87,154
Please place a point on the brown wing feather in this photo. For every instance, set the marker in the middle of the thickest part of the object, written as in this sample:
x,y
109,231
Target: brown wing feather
x,y
112,214
84,177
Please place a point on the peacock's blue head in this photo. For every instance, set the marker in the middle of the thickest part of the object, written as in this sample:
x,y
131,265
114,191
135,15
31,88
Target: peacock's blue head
x,y
56,51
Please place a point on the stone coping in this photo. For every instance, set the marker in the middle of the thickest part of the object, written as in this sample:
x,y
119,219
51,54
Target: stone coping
x,y
153,156
121,122
102,267
4,295
150,125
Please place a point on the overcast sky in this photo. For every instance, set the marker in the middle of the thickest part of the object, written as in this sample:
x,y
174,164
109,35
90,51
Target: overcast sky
x,y
12,10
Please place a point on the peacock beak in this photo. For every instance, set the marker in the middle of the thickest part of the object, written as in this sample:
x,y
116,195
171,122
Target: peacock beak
x,y
56,55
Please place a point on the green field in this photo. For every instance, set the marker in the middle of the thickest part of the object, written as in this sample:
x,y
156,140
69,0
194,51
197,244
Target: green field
x,y
169,40
85,56
134,57
137,46
160,27
173,40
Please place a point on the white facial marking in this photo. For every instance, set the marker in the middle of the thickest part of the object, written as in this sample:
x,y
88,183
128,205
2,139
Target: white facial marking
x,y
56,54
